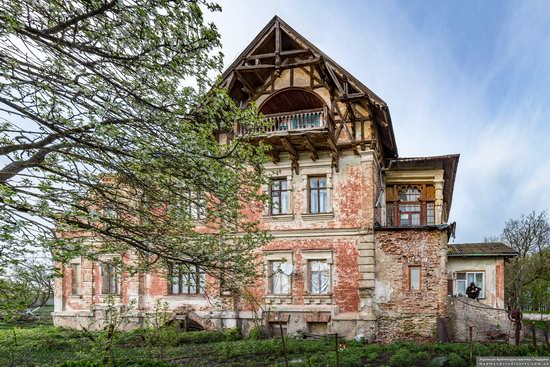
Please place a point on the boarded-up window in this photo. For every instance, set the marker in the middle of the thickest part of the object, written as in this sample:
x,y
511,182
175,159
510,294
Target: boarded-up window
x,y
276,328
414,278
75,279
319,277
109,279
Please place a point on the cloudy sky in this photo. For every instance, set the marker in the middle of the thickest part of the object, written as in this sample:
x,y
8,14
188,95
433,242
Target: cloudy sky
x,y
468,77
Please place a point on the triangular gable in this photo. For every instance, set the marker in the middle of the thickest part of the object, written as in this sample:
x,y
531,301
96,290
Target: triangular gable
x,y
277,47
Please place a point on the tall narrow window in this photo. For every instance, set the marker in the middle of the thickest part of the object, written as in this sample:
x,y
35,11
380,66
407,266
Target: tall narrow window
x,y
318,200
279,196
75,279
409,207
414,278
280,281
109,279
319,276
187,279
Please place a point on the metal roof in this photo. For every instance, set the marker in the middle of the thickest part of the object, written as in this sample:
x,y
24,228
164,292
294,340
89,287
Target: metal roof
x,y
492,249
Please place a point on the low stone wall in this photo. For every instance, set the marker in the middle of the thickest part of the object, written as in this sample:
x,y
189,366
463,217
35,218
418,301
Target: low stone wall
x,y
488,323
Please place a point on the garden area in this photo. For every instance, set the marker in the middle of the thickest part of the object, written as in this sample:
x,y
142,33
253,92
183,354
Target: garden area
x,y
42,344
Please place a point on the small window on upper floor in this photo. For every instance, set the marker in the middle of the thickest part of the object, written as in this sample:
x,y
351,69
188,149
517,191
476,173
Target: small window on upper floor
x,y
279,196
410,205
318,195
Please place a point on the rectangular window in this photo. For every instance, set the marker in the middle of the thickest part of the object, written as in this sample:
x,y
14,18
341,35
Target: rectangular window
x,y
319,277
75,279
109,279
187,279
279,197
318,199
464,279
414,278
280,281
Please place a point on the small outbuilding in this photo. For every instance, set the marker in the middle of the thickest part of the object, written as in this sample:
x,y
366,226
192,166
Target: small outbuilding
x,y
482,264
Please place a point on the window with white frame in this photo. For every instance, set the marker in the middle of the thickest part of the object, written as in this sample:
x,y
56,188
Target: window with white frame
x,y
319,276
279,279
464,279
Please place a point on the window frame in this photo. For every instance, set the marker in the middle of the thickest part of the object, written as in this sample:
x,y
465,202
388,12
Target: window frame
x,y
318,189
75,279
411,267
113,287
482,294
183,275
280,191
310,277
271,274
427,212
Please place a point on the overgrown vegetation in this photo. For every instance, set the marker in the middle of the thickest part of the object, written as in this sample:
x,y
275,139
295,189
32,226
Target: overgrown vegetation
x,y
50,346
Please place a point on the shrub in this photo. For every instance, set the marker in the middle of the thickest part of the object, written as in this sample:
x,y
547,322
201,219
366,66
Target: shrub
x,y
455,360
232,334
123,364
423,356
255,333
402,358
372,357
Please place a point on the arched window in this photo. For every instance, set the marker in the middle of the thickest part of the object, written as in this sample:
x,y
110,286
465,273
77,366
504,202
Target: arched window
x,y
410,205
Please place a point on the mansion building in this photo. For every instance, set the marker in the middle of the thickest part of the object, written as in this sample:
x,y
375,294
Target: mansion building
x,y
360,236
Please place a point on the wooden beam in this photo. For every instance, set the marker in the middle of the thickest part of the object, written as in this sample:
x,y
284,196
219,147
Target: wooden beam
x,y
292,152
282,53
313,155
278,48
335,79
254,68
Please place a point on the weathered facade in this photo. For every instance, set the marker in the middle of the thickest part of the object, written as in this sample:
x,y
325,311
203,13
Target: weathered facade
x,y
359,235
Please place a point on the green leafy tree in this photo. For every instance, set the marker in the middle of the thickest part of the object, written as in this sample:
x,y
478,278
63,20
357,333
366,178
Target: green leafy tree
x,y
110,128
528,274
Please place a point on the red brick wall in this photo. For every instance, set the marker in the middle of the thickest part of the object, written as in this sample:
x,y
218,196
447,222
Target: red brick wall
x,y
403,313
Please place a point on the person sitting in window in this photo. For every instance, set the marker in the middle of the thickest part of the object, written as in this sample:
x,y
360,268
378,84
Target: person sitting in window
x,y
472,291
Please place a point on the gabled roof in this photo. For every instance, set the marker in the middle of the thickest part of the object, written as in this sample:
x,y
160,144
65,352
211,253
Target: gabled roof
x,y
488,249
296,44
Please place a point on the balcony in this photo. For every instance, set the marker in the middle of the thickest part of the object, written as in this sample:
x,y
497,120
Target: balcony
x,y
408,214
289,122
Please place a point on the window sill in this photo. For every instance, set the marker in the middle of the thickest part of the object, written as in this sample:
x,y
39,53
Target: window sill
x,y
274,299
184,295
278,218
317,216
75,296
318,299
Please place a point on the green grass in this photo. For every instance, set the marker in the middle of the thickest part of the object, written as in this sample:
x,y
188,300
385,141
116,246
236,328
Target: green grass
x,y
46,345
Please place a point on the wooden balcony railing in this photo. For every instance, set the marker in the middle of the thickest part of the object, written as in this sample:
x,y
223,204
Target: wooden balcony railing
x,y
294,121
406,214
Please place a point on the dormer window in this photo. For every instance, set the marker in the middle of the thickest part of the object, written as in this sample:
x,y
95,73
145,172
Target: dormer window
x,y
410,205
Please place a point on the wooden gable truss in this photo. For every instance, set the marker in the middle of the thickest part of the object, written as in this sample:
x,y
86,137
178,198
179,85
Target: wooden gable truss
x,y
357,118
